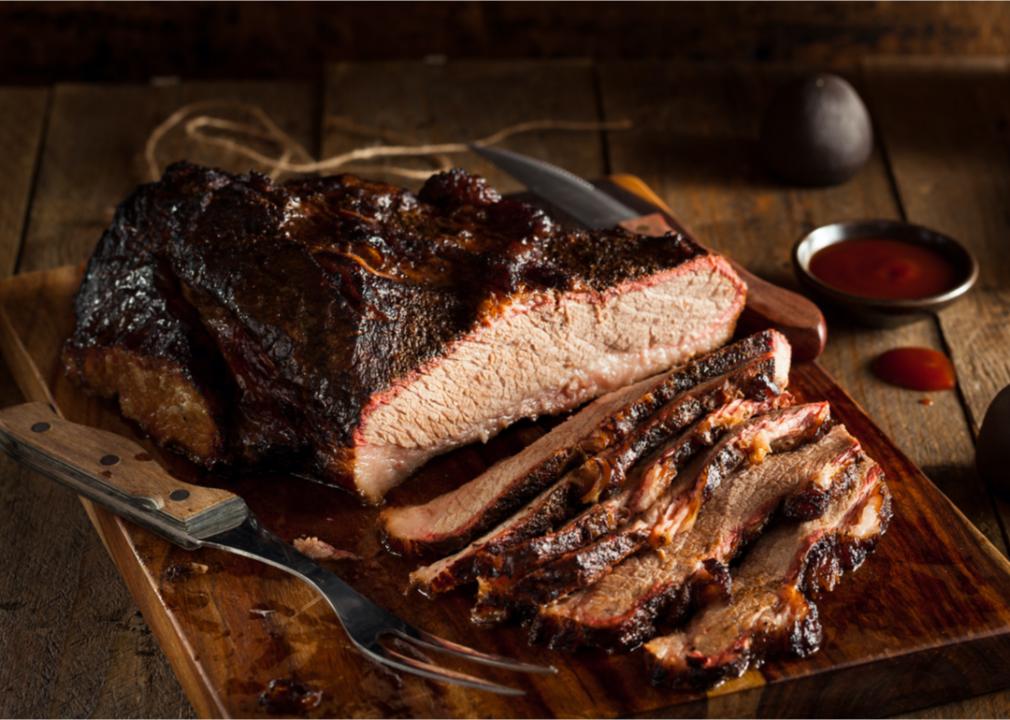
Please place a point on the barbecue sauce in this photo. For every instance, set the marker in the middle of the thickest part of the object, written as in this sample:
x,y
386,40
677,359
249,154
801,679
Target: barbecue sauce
x,y
916,368
883,269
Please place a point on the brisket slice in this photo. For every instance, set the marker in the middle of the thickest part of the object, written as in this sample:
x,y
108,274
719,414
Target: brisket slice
x,y
621,608
602,517
770,612
362,328
674,513
757,377
619,419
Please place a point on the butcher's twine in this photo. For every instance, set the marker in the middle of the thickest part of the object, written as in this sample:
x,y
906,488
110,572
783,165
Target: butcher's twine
x,y
208,123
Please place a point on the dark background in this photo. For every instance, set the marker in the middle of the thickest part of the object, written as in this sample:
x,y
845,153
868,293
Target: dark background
x,y
47,42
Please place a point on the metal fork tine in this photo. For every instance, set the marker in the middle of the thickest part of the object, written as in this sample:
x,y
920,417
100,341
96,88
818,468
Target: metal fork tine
x,y
438,644
392,658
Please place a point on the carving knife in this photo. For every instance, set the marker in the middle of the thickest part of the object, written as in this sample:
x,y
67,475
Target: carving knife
x,y
768,305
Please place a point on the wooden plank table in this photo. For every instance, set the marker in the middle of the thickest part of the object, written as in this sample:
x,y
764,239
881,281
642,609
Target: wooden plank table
x,y
942,158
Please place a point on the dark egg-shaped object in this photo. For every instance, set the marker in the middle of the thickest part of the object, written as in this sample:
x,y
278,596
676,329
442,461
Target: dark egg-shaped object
x,y
816,131
992,454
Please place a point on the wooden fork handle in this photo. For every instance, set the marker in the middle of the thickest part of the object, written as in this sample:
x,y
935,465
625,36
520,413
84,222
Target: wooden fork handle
x,y
117,473
768,305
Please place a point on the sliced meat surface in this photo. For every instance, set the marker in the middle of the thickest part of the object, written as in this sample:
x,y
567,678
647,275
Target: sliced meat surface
x,y
755,366
449,521
620,609
673,514
770,612
603,517
759,377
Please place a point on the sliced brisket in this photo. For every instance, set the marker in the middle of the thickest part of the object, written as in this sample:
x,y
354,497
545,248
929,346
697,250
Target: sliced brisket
x,y
365,329
757,377
770,612
620,609
758,365
603,517
672,514
450,521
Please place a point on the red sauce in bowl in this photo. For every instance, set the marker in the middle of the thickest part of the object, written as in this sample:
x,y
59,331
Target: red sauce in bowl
x,y
916,368
883,269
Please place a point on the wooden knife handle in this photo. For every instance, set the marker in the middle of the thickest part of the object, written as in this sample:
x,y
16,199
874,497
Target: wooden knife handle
x,y
117,473
768,305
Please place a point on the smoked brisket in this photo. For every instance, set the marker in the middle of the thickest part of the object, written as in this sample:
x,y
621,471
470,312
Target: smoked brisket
x,y
355,329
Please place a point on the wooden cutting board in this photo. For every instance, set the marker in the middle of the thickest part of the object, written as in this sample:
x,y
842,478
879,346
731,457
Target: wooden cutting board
x,y
926,619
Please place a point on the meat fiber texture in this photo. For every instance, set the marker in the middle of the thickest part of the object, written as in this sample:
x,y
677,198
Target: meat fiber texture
x,y
635,422
613,427
718,518
771,612
619,611
670,514
354,329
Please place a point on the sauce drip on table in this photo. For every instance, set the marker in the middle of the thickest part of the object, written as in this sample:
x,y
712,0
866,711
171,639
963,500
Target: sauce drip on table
x,y
916,368
883,268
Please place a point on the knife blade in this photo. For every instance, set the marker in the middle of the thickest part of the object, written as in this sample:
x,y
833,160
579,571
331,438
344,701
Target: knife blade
x,y
577,197
768,305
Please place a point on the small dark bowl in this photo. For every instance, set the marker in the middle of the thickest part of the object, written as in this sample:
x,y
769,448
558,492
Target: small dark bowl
x,y
874,311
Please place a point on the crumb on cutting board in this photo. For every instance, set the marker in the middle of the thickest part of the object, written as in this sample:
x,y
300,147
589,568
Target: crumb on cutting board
x,y
317,549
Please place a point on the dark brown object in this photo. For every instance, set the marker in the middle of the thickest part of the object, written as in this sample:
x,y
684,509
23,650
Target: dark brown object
x,y
661,523
993,448
644,487
331,322
970,628
816,131
621,610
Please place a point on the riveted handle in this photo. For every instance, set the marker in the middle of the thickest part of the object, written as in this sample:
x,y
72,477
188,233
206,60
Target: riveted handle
x,y
117,473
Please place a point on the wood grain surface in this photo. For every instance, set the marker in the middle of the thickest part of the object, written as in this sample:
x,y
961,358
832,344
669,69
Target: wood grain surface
x,y
84,647
81,647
